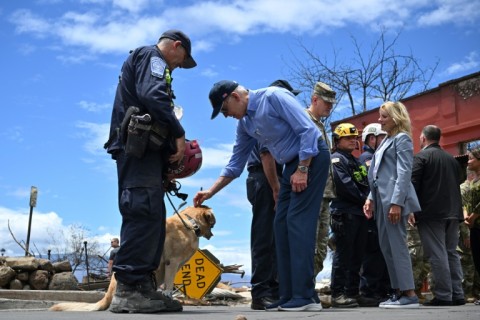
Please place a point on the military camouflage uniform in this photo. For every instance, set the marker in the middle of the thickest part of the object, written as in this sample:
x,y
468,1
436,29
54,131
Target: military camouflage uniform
x,y
470,190
467,262
420,265
471,198
321,246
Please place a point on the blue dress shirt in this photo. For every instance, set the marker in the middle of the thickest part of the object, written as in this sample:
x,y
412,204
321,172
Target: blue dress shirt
x,y
278,122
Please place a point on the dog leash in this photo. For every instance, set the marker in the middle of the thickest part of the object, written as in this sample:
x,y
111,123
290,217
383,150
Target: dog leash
x,y
195,228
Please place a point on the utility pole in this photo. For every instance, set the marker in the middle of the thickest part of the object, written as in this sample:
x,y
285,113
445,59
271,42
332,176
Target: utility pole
x,y
33,203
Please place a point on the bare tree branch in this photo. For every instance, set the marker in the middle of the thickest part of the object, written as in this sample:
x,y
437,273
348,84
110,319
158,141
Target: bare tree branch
x,y
16,241
373,74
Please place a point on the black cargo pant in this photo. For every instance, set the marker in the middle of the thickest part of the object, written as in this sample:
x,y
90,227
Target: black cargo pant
x,y
262,242
348,255
142,206
374,281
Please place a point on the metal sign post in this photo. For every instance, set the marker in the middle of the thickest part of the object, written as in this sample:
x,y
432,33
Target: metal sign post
x,y
86,262
33,203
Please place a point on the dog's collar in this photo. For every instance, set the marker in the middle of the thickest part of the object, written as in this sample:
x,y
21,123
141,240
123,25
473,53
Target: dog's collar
x,y
195,226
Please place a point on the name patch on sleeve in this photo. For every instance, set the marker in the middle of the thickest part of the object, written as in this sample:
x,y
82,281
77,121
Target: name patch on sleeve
x,y
157,67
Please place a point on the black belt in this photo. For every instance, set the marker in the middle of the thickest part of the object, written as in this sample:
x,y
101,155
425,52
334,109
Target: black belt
x,y
256,168
259,168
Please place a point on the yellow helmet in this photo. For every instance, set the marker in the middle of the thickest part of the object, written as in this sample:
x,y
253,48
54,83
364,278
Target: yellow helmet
x,y
345,130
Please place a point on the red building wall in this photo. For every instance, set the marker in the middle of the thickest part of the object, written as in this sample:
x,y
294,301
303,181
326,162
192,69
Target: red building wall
x,y
454,106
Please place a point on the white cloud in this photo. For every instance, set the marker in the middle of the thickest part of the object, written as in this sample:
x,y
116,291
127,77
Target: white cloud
x,y
96,135
233,254
209,73
197,183
14,134
451,11
216,157
26,21
202,45
93,106
128,5
45,229
18,221
132,6
75,58
210,23
470,62
19,193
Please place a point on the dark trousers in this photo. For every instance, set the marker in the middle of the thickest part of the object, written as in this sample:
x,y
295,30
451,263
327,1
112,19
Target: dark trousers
x,y
143,223
348,255
295,227
475,245
440,240
374,279
262,242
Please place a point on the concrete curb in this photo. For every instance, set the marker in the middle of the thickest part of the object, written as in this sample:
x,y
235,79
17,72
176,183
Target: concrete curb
x,y
43,299
53,295
18,304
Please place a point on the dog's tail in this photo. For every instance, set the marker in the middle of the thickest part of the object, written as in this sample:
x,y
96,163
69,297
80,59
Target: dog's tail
x,y
83,306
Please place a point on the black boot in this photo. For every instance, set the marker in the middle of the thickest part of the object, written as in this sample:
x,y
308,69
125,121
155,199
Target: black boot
x,y
128,299
148,287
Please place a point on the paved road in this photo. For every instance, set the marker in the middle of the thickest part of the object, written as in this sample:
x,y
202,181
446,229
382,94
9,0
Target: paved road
x,y
467,312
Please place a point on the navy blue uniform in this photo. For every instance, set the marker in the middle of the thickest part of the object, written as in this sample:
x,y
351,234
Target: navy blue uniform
x,y
145,82
366,156
352,190
262,241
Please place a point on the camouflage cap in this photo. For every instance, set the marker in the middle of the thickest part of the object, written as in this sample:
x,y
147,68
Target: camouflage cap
x,y
324,91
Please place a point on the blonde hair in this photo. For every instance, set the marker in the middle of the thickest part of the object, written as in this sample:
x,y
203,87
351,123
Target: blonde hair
x,y
399,114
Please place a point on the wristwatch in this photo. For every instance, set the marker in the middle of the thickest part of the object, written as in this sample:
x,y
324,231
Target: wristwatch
x,y
303,169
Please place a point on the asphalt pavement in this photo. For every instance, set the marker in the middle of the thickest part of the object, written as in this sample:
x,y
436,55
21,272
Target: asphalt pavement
x,y
39,311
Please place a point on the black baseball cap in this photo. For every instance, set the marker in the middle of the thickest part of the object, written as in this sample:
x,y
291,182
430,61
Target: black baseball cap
x,y
284,84
178,35
220,91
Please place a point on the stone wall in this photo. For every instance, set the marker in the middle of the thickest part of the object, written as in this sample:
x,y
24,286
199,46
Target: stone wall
x,y
29,273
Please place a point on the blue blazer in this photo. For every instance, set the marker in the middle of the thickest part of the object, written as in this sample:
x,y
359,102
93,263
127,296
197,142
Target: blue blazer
x,y
392,182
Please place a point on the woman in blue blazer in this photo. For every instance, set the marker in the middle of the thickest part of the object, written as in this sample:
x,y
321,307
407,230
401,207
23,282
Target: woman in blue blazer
x,y
392,201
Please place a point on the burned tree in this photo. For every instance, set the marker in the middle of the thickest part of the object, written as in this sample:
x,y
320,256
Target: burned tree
x,y
371,76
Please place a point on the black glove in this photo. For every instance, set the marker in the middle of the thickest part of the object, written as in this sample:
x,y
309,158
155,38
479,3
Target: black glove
x,y
336,224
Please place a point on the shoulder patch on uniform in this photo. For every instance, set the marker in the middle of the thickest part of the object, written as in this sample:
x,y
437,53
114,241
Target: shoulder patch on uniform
x,y
157,67
335,160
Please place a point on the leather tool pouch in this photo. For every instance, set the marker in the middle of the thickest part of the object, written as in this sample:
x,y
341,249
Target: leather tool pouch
x,y
138,135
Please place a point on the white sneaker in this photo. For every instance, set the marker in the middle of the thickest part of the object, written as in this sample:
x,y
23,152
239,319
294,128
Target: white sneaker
x,y
403,303
308,307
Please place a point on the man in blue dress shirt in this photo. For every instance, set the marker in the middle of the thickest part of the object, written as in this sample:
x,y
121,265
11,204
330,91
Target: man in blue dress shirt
x,y
274,118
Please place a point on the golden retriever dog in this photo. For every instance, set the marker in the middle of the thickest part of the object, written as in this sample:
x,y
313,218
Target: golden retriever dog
x,y
181,242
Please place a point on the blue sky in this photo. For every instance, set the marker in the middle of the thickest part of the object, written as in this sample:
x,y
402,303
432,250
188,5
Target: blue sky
x,y
60,64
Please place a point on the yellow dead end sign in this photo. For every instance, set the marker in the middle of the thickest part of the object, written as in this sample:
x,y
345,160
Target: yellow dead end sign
x,y
199,275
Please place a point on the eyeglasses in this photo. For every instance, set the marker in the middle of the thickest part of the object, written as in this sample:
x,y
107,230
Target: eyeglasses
x,y
224,108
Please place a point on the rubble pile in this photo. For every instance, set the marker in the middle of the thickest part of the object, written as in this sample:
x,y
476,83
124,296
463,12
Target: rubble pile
x,y
29,273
